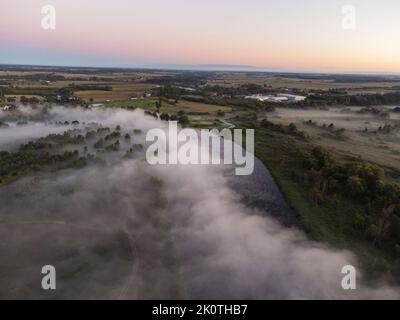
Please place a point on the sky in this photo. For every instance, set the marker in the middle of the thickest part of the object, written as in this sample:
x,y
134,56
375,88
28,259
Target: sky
x,y
284,35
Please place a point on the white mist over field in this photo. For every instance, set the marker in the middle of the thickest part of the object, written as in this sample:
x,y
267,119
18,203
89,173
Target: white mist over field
x,y
124,229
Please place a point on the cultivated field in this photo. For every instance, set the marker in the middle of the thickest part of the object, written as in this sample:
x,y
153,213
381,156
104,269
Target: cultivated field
x,y
119,92
236,79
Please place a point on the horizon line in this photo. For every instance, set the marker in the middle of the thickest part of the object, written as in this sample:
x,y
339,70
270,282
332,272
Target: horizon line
x,y
207,68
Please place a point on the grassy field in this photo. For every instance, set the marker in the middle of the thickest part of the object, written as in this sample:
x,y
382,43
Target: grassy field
x,y
201,115
146,104
120,92
236,79
127,75
56,84
202,107
36,91
170,107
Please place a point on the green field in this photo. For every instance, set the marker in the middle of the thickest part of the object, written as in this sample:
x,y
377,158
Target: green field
x,y
169,107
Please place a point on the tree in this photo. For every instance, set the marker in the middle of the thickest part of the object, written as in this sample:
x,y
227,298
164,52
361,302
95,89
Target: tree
x,y
183,120
292,127
355,186
24,100
158,105
323,156
33,100
165,116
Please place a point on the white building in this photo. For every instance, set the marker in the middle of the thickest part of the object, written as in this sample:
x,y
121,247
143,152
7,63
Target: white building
x,y
281,97
292,97
261,97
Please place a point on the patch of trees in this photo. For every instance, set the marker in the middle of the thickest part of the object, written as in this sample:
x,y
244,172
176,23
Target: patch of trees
x,y
27,160
290,129
181,117
53,141
240,103
90,134
375,111
113,147
99,143
243,90
388,128
350,100
36,77
339,78
36,154
115,135
100,130
30,100
64,95
331,130
190,78
153,114
361,183
170,92
112,136
89,87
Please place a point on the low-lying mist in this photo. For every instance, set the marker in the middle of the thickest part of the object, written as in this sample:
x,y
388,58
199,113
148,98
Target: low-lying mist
x,y
122,229
350,118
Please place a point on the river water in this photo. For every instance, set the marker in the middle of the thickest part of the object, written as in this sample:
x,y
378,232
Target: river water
x,y
259,190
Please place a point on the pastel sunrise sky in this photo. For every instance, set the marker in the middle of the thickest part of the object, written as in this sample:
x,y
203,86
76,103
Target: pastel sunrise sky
x,y
290,35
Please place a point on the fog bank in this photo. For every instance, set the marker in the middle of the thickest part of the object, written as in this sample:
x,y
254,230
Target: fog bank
x,y
124,229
